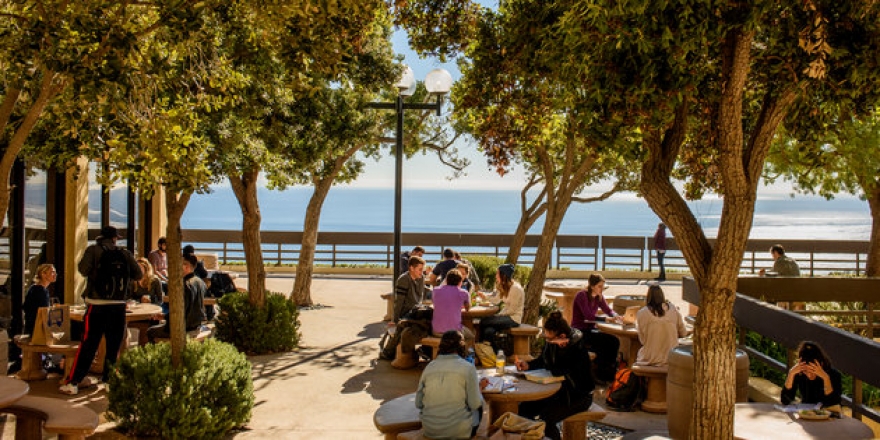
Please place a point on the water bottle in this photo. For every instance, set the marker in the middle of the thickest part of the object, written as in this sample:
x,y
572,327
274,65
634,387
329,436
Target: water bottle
x,y
499,363
471,356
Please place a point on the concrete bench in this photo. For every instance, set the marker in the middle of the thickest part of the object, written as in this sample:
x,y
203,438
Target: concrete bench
x,y
32,361
33,415
522,344
762,390
655,400
575,426
389,306
434,343
397,415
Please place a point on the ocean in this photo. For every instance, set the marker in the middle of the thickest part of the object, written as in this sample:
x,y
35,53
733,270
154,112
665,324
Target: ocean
x,y
498,211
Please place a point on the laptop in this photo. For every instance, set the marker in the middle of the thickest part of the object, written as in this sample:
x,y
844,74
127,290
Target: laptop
x,y
629,317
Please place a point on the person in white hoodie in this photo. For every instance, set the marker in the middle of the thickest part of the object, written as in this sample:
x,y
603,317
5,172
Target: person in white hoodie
x,y
660,325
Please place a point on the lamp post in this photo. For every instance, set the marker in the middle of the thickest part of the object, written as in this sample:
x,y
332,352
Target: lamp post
x,y
438,82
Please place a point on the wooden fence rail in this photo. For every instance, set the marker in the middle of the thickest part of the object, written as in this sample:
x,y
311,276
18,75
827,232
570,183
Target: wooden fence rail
x,y
575,252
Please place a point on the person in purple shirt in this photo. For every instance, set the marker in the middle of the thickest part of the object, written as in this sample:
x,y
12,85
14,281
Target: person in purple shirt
x,y
587,303
448,301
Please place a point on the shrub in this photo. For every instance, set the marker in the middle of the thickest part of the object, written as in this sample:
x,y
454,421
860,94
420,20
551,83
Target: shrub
x,y
210,393
486,267
270,329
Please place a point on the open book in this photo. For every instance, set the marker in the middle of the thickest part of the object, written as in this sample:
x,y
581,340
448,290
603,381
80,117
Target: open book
x,y
496,384
543,376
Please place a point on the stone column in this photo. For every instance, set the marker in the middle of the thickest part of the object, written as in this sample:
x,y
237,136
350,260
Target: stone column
x,y
76,230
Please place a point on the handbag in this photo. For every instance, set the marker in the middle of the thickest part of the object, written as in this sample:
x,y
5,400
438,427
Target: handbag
x,y
511,426
420,312
485,354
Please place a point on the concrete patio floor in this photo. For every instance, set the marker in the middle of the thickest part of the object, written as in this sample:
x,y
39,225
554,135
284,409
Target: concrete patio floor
x,y
330,387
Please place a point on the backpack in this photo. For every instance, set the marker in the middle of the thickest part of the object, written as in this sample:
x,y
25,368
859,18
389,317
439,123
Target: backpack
x,y
112,275
626,391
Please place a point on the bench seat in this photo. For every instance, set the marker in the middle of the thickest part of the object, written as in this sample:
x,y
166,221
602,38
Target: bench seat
x,y
397,415
434,343
655,400
522,334
32,362
389,306
575,426
55,416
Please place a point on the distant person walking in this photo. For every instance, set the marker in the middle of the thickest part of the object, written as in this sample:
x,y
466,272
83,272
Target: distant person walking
x,y
783,265
660,247
109,271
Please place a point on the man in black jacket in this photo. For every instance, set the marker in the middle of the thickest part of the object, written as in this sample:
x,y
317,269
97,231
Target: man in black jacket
x,y
193,302
104,317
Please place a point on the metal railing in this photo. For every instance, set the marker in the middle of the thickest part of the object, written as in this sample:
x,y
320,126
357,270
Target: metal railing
x,y
574,252
847,351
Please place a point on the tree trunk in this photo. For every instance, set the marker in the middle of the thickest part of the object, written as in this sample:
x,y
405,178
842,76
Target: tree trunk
x,y
245,189
302,284
535,288
175,204
528,216
872,267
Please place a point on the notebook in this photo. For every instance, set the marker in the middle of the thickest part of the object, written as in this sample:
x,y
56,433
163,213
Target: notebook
x,y
543,376
496,384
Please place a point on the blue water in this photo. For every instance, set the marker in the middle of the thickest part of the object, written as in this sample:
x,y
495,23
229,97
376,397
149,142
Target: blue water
x,y
498,211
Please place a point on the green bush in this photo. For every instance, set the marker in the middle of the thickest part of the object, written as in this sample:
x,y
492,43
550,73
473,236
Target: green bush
x,y
210,393
487,266
271,329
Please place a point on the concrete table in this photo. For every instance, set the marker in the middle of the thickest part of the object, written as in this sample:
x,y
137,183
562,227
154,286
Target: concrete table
x,y
563,292
763,420
523,391
477,312
11,390
628,336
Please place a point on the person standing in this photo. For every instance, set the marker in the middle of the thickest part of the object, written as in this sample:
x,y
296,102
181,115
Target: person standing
x,y
159,259
564,354
448,395
660,325
193,302
660,247
109,271
448,301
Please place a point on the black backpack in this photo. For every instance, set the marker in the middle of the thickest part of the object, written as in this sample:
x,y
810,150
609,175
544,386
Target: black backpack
x,y
626,392
112,275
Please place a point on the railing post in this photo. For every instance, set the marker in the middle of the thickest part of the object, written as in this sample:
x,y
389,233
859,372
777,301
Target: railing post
x,y
333,253
278,255
811,263
857,399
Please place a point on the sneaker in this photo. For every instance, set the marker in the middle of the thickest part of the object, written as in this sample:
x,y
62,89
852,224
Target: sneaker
x,y
69,389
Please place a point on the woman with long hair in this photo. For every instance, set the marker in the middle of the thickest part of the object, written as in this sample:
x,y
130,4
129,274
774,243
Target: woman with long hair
x,y
38,295
584,316
813,377
564,354
511,298
660,325
149,288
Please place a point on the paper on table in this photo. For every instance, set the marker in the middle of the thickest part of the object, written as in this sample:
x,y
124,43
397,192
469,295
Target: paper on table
x,y
793,408
496,384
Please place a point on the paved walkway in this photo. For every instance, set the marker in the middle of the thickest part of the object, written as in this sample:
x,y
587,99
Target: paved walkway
x,y
330,387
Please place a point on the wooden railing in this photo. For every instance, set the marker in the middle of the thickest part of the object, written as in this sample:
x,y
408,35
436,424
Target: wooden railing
x,y
754,311
575,252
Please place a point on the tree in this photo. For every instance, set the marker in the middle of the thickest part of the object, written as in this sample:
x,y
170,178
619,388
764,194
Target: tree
x,y
845,158
51,50
708,84
704,86
516,113
297,60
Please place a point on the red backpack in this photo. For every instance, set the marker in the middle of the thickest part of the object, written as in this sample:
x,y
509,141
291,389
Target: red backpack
x,y
625,392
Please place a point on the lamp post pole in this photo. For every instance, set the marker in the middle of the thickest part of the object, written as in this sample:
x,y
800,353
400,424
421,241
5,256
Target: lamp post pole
x,y
438,83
